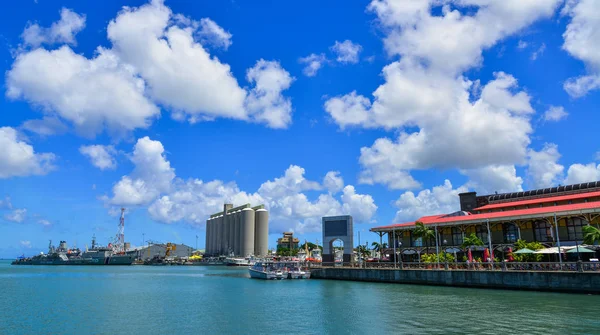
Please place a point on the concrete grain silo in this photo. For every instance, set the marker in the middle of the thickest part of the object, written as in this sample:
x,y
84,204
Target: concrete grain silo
x,y
261,232
207,243
226,232
220,233
231,241
238,233
247,232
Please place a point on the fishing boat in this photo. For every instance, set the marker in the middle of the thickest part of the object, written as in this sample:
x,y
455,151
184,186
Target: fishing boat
x,y
295,270
238,261
267,271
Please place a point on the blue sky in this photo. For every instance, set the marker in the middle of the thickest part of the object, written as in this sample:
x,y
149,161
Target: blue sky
x,y
384,110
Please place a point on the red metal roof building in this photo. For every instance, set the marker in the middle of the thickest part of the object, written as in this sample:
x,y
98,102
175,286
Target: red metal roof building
x,y
548,216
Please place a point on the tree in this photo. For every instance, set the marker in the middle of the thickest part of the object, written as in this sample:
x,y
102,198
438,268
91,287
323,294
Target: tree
x,y
521,244
311,246
591,234
472,240
425,233
363,250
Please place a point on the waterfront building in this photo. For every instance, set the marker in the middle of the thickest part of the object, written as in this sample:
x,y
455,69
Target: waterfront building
x,y
288,241
240,231
552,216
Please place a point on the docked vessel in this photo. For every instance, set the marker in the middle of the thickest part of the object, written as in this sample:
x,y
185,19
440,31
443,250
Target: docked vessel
x,y
295,271
62,255
233,261
267,271
113,254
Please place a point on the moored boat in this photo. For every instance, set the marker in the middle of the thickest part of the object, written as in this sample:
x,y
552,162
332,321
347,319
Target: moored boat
x,y
267,271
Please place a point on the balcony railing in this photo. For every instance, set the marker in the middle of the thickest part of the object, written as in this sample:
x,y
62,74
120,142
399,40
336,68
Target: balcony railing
x,y
463,266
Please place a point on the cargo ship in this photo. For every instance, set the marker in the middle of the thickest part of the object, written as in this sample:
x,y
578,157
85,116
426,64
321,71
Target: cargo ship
x,y
113,254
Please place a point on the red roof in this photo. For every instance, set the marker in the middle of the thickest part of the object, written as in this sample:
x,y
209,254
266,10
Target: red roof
x,y
539,200
541,211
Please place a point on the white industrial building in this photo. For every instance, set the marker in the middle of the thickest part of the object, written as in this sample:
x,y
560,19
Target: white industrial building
x,y
159,249
242,231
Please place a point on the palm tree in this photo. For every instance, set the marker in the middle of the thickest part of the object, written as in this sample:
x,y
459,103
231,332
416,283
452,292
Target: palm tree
x,y
363,250
425,233
471,240
591,234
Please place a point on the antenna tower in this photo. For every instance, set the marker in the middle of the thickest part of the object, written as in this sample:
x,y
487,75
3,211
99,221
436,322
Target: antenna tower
x,y
120,242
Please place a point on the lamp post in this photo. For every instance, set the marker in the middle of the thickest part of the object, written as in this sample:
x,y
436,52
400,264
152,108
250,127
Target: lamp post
x,y
398,253
143,239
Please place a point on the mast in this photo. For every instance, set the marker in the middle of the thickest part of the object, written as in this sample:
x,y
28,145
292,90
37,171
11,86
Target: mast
x,y
120,240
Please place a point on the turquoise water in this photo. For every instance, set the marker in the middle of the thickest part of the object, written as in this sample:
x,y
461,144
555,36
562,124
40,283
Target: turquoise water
x,y
216,300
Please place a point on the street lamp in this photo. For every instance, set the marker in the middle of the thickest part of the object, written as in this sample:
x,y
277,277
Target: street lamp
x,y
398,252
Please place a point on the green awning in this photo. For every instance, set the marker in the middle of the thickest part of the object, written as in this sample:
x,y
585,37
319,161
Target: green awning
x,y
524,251
581,250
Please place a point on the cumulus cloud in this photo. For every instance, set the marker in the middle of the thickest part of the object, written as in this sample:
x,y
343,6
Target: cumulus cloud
x,y
494,178
211,33
171,199
91,94
582,41
440,199
313,63
555,113
265,101
443,119
152,175
25,244
18,215
544,170
101,156
580,173
62,31
346,51
154,60
18,158
333,181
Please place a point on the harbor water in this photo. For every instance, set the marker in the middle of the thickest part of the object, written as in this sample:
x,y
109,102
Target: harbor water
x,y
220,300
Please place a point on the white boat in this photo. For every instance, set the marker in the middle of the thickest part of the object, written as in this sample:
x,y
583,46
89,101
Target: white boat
x,y
233,261
295,271
267,271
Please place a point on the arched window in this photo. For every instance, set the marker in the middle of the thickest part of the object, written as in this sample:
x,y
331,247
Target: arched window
x,y
574,229
482,233
457,236
543,231
511,232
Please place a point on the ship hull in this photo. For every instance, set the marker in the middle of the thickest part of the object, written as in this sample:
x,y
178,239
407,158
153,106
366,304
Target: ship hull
x,y
114,260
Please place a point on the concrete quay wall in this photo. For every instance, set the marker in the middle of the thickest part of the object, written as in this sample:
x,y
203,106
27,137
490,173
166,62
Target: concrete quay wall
x,y
573,282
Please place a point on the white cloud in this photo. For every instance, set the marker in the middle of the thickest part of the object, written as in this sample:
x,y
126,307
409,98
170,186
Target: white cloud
x,y
18,215
437,112
582,41
265,103
25,244
346,52
92,94
494,178
171,199
580,173
44,222
101,156
62,31
211,33
441,199
313,63
453,42
544,170
333,181
538,52
555,113
522,45
152,175
154,60
18,158
47,126
5,203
